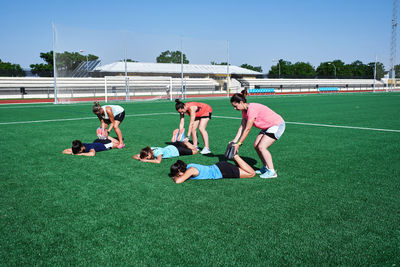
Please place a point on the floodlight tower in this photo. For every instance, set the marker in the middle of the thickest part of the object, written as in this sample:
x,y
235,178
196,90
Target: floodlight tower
x,y
392,74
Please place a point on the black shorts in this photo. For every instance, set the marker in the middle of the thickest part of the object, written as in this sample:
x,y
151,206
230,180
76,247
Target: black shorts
x,y
204,117
102,141
120,117
182,149
228,170
108,144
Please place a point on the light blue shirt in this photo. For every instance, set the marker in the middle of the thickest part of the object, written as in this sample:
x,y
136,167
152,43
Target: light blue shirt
x,y
206,172
166,152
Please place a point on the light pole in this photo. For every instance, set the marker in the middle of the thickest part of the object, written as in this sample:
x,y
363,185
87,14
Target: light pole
x,y
376,58
87,63
334,67
279,67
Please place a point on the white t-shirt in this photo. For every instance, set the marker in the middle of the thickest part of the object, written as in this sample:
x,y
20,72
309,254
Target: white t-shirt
x,y
115,110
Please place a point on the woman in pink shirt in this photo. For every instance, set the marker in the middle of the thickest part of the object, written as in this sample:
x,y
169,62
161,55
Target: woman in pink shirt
x,y
270,123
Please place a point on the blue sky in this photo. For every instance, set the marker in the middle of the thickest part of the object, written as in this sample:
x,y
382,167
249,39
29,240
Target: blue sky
x,y
258,31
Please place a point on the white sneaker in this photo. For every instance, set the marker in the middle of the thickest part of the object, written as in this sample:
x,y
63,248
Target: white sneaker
x,y
269,174
205,150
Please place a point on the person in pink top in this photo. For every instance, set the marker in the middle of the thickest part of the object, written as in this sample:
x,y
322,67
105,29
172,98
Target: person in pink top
x,y
270,123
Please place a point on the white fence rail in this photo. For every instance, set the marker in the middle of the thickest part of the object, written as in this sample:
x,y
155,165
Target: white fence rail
x,y
38,87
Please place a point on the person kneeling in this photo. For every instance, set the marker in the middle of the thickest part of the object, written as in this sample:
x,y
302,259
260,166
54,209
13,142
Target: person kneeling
x,y
90,149
156,154
181,172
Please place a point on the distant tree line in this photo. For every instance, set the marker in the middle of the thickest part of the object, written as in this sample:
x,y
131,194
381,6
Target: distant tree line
x,y
330,69
8,69
68,61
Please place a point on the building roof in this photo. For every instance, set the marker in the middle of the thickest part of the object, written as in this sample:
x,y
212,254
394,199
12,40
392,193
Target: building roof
x,y
141,67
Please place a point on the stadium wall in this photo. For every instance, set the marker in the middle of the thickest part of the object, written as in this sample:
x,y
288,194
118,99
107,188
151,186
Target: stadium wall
x,y
43,88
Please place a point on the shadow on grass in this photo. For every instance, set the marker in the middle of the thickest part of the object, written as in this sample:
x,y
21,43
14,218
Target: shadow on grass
x,y
222,157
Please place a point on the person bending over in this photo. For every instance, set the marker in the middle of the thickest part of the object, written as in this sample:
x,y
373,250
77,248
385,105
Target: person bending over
x,y
112,115
181,172
200,115
90,149
156,154
271,127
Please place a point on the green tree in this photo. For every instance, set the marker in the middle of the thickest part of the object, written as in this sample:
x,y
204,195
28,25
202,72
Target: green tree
x,y
359,70
380,70
43,70
303,70
397,70
8,69
66,62
250,67
327,69
285,67
172,57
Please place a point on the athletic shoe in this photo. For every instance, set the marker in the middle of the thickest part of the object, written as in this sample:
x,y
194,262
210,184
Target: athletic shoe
x,y
174,135
205,150
121,146
262,170
269,174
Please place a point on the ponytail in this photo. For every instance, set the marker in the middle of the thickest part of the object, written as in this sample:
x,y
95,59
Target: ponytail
x,y
236,98
96,107
179,104
177,167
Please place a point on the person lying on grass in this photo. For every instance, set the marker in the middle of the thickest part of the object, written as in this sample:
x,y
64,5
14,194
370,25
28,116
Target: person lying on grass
x,y
156,154
181,172
90,149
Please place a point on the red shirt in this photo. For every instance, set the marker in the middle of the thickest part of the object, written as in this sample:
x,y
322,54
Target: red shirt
x,y
202,109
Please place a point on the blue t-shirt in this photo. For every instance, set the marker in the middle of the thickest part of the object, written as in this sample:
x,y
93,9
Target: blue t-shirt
x,y
206,172
96,146
166,152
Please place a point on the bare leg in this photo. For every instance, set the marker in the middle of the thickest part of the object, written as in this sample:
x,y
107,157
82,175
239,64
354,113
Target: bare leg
x,y
202,129
245,170
194,132
256,143
114,141
118,131
262,146
191,147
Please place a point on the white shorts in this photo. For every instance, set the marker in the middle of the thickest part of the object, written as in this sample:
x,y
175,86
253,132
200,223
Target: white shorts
x,y
275,131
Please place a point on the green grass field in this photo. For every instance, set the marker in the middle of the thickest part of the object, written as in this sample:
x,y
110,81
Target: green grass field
x,y
336,200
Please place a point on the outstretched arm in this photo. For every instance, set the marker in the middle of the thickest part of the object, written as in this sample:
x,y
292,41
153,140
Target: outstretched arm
x,y
67,151
240,130
137,156
244,135
192,119
182,121
157,160
91,153
111,116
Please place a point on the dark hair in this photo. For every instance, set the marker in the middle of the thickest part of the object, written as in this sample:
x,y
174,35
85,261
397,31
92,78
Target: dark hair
x,y
177,167
76,146
145,152
179,104
96,107
239,97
